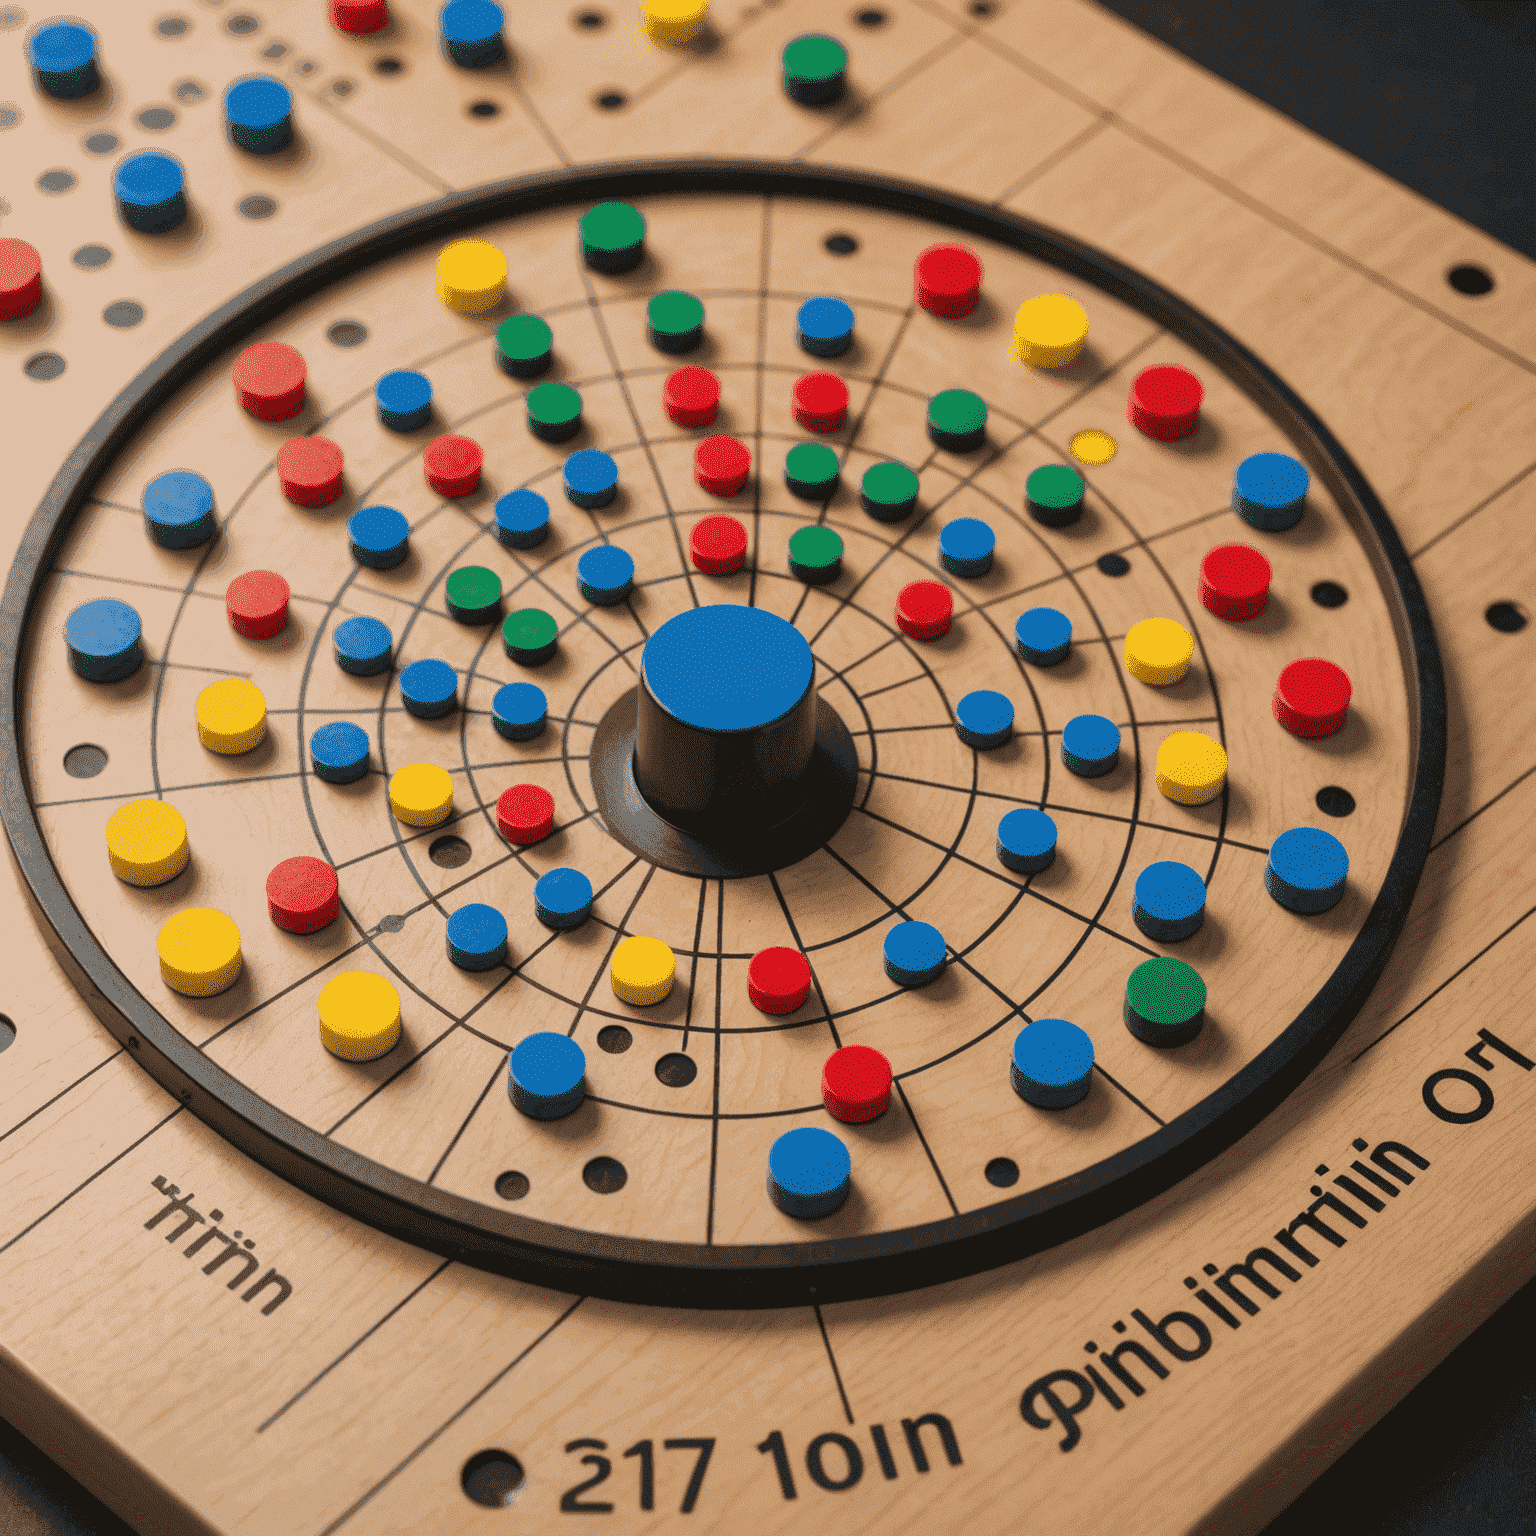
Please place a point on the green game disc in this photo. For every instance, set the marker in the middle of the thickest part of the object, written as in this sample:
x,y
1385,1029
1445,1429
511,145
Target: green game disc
x,y
523,346
612,237
474,595
957,420
674,322
1054,494
554,412
814,67
530,636
1164,1002
815,553
811,471
888,492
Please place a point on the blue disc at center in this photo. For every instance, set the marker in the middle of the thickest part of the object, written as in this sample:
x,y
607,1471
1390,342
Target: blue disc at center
x,y
727,668
1169,901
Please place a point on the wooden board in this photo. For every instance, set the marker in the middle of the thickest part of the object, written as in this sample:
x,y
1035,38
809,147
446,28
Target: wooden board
x,y
1090,130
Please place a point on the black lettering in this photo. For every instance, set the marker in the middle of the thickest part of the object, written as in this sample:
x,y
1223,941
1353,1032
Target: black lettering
x,y
647,1454
851,1453
1380,1158
775,1444
1333,1203
202,1240
1287,1240
1248,1269
570,1501
270,1278
1364,1196
1456,1116
1111,1358
1485,1041
913,1430
1162,1332
883,1451
706,1449
1106,1391
1375,1178
235,1251
1209,1302
1062,1413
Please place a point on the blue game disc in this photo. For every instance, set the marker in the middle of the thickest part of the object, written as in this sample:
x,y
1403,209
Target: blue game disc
x,y
913,954
522,519
64,56
591,478
1026,841
404,400
1269,491
824,327
965,547
149,192
518,711
339,752
178,509
380,537
472,33
1090,746
477,938
259,113
562,898
103,639
1052,1063
984,718
364,647
1043,636
546,1076
606,574
1306,869
809,1172
1169,902
429,689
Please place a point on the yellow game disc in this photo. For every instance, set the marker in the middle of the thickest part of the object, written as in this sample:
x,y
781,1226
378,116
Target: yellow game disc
x,y
359,1016
231,716
1049,330
147,842
1191,767
1092,446
642,971
471,276
199,952
674,21
421,794
1158,651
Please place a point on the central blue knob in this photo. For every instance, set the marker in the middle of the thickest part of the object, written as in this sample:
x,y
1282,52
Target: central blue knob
x,y
726,718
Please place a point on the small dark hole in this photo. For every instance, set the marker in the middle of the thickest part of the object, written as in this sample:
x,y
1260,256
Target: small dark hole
x,y
43,365
449,852
1507,618
123,315
101,143
1333,801
492,1478
391,924
589,21
1470,280
1003,1172
483,109
512,1185
189,91
306,67
274,50
614,1039
676,1070
348,333
242,25
871,17
611,101
156,119
56,181
604,1176
172,26
982,7
256,207
7,1033
387,66
85,761
92,256
343,88
1329,594
841,245
1114,565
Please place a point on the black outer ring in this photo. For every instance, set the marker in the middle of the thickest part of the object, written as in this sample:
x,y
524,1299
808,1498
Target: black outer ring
x,y
678,1274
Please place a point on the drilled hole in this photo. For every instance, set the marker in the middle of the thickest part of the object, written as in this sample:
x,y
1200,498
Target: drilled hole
x,y
1470,280
841,245
676,1070
256,207
614,1039
483,109
123,315
1329,594
512,1185
1507,618
347,333
388,65
604,1176
56,181
492,1478
92,256
449,852
43,366
610,101
7,1033
1114,565
1003,1172
1334,801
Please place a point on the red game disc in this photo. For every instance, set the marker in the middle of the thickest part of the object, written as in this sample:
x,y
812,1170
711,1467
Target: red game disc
x,y
856,1083
269,380
303,895
360,17
924,609
778,980
1165,402
1312,697
453,465
718,545
1234,582
257,604
947,280
310,471
525,813
721,465
21,279
692,397
821,402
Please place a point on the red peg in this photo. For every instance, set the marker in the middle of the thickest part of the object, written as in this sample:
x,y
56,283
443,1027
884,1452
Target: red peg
x,y
1234,582
778,980
856,1083
257,604
1165,402
269,380
924,609
947,281
310,471
303,895
1312,697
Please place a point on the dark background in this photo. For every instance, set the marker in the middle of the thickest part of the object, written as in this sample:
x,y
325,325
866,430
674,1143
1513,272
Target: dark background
x,y
1440,94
